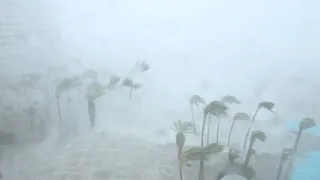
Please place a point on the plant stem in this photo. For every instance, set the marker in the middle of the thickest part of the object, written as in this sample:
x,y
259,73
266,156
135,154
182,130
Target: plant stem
x,y
246,162
201,172
218,130
180,169
208,133
230,132
59,110
249,129
279,172
131,91
193,121
288,173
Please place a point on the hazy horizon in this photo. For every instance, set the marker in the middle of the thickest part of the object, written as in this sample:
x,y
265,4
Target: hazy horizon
x,y
254,50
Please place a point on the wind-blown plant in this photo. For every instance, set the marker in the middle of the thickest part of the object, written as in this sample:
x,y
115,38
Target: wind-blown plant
x,y
112,82
238,116
218,111
254,136
181,128
94,91
265,105
139,67
230,100
64,86
127,82
286,153
216,108
32,114
305,123
195,100
198,153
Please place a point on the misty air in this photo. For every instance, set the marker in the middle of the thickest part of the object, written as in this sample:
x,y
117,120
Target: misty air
x,y
159,90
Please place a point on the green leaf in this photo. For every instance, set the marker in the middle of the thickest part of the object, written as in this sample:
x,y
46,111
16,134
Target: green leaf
x,y
136,86
95,90
127,82
114,80
67,84
217,108
307,123
197,100
230,99
194,153
259,135
142,66
267,105
183,126
241,116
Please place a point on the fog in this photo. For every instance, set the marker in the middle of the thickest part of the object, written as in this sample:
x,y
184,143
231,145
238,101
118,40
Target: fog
x,y
253,50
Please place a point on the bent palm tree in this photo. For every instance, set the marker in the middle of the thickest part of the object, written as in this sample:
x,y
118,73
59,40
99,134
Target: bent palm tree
x,y
254,136
286,153
127,82
64,86
264,104
230,99
198,153
237,116
195,100
181,128
215,108
305,123
94,91
32,113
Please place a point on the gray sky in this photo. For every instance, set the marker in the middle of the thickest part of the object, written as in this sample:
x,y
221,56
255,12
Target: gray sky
x,y
211,48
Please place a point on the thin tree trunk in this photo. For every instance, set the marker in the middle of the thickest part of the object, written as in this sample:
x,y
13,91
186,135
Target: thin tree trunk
x,y
246,162
131,91
230,132
180,170
59,111
201,172
279,172
218,130
288,173
208,131
92,112
249,129
193,120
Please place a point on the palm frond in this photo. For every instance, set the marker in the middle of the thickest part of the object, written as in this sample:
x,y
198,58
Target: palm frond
x,y
230,99
267,105
259,135
114,80
183,126
136,86
194,153
241,116
197,100
127,82
95,90
307,123
142,66
67,84
216,108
